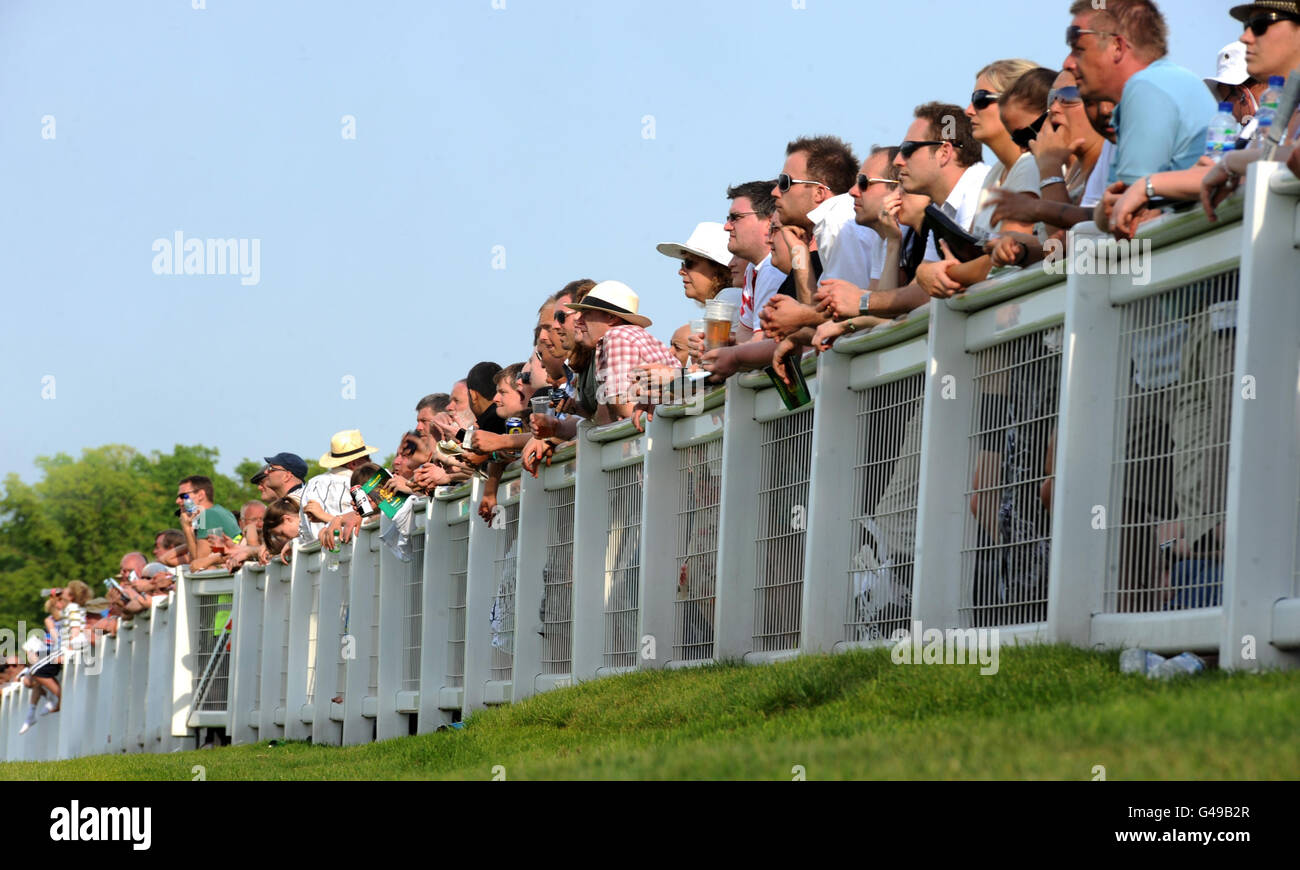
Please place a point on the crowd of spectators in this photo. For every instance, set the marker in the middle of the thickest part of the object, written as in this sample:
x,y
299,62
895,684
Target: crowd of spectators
x,y
835,243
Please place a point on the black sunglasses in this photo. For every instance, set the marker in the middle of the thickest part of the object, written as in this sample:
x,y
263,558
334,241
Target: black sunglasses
x,y
1260,24
982,99
784,182
1025,135
526,378
864,182
560,316
910,147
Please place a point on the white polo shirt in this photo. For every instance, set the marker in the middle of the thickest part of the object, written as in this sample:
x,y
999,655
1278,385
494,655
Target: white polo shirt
x,y
332,490
962,204
844,246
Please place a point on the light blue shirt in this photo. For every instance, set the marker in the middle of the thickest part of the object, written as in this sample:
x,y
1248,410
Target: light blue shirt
x,y
1160,122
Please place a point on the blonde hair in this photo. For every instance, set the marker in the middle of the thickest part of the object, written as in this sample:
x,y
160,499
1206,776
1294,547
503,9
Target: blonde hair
x,y
1002,74
80,591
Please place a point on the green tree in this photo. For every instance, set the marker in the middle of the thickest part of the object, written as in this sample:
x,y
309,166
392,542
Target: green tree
x,y
83,515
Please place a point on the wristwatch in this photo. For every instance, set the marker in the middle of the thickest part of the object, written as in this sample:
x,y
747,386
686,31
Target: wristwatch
x,y
864,302
1055,179
1151,191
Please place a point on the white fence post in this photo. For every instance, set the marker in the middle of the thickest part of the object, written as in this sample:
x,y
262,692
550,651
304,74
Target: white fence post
x,y
443,609
941,486
1085,444
480,587
325,730
589,541
271,709
306,571
529,586
1261,601
247,609
388,642
659,568
734,605
830,504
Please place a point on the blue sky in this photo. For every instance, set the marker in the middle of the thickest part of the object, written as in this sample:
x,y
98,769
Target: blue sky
x,y
522,127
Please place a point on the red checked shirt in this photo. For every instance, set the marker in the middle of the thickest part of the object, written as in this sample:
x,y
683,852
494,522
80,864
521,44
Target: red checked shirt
x,y
622,349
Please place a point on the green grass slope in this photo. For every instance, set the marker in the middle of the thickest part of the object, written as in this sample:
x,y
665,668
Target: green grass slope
x,y
1049,713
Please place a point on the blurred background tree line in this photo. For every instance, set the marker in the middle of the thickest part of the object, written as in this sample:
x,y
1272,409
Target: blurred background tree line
x,y
83,515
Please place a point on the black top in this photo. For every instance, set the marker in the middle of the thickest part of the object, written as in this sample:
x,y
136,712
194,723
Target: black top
x,y
787,286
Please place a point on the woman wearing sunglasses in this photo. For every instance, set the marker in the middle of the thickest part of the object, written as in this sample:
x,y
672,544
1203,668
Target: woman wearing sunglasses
x,y
1018,110
985,112
1068,147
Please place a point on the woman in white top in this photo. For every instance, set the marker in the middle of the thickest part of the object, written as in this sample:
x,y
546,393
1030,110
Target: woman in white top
x,y
1000,95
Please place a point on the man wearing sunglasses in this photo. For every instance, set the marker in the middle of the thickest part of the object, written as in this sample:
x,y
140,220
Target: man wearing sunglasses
x,y
812,192
1162,110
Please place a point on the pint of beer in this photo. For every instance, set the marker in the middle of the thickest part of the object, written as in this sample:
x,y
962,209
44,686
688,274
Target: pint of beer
x,y
717,323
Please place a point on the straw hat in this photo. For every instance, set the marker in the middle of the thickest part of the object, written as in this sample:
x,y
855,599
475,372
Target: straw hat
x,y
612,297
346,446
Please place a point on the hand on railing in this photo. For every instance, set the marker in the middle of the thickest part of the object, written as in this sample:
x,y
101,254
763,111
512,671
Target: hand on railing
x,y
838,298
721,362
1015,249
826,334
1126,209
933,276
534,452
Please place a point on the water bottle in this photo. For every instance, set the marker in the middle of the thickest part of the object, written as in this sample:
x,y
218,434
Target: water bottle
x,y
1221,135
188,505
1181,665
1139,661
332,561
1267,113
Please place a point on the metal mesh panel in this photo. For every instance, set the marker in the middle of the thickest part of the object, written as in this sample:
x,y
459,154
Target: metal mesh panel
x,y
622,566
557,584
699,488
882,543
502,616
1170,477
214,612
412,613
458,556
785,458
1008,527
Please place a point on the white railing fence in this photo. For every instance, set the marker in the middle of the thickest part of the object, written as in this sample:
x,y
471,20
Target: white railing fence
x,y
1084,458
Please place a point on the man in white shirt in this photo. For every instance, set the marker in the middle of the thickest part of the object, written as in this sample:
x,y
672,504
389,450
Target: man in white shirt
x,y
326,498
812,192
747,223
940,158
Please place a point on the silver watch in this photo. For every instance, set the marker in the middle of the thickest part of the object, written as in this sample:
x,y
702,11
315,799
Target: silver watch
x,y
864,302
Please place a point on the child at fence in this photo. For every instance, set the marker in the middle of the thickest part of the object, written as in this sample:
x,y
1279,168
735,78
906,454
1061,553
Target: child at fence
x,y
43,670
73,629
